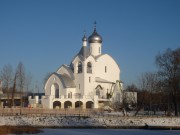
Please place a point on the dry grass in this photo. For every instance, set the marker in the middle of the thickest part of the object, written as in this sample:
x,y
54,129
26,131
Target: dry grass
x,y
5,130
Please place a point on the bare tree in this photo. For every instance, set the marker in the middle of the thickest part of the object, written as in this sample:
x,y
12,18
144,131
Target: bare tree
x,y
14,89
148,83
169,70
142,100
132,88
47,77
21,80
28,81
6,76
130,94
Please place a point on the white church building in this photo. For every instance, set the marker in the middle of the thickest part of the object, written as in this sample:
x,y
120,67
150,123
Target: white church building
x,y
92,80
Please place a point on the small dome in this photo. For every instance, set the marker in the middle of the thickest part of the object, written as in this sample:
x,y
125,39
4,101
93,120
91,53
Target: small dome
x,y
84,38
95,38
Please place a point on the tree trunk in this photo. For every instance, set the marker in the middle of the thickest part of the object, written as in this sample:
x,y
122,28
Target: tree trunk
x,y
175,105
14,89
8,100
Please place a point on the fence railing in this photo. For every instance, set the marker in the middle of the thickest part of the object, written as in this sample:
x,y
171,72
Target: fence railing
x,y
41,111
65,112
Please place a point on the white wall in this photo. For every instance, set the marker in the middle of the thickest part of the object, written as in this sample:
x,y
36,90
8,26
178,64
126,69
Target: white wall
x,y
112,69
87,88
89,78
52,80
95,48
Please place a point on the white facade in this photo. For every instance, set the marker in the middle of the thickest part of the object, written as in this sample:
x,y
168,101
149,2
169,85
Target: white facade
x,y
90,81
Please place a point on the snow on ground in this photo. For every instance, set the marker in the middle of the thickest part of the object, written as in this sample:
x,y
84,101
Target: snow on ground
x,y
96,121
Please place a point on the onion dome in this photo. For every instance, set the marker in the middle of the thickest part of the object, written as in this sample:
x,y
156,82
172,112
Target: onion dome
x,y
84,38
95,37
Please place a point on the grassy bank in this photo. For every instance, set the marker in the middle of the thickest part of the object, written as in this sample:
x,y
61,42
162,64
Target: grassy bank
x,y
5,130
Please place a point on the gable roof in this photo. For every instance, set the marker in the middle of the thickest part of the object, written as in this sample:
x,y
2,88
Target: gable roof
x,y
84,52
69,70
99,86
66,80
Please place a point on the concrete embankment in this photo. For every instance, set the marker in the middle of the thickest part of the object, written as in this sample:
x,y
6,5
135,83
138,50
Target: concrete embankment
x,y
92,122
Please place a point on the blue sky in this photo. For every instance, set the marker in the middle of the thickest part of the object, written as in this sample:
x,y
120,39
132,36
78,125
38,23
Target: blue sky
x,y
44,34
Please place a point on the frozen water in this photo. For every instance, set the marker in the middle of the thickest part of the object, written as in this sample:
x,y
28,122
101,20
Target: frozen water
x,y
108,132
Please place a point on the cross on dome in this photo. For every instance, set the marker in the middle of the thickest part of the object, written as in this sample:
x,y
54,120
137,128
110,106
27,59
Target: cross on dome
x,y
95,37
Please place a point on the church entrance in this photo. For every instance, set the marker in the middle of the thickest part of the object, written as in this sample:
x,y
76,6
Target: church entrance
x,y
67,104
78,104
89,104
56,104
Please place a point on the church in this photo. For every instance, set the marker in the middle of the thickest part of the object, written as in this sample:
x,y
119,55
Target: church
x,y
91,80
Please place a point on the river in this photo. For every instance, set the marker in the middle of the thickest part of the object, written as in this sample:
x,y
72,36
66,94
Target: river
x,y
108,132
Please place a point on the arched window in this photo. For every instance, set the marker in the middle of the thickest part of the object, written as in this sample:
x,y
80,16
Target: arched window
x,y
80,67
89,67
70,95
55,90
98,92
57,93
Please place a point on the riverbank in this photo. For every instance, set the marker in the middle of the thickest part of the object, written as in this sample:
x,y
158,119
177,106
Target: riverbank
x,y
91,122
5,130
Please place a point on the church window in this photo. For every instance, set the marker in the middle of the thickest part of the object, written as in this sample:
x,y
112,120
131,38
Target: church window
x,y
70,95
80,67
98,92
57,93
79,86
105,69
89,79
89,67
55,90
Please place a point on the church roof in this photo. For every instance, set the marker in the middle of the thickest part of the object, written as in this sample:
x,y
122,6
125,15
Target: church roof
x,y
98,79
95,37
84,52
66,80
68,69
